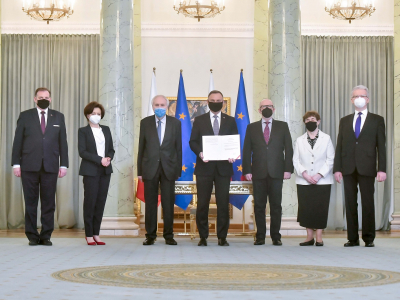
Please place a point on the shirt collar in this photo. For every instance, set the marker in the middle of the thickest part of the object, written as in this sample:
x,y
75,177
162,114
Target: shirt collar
x,y
364,112
40,111
162,119
212,115
263,120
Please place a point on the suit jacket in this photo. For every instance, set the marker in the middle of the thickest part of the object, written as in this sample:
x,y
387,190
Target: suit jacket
x,y
361,154
273,159
314,161
32,148
151,153
88,151
202,127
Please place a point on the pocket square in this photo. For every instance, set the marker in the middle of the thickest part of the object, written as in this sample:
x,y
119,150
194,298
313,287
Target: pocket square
x,y
56,125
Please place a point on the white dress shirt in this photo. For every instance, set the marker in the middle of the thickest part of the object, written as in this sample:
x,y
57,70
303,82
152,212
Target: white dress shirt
x,y
163,123
263,121
45,115
363,117
218,118
100,141
40,122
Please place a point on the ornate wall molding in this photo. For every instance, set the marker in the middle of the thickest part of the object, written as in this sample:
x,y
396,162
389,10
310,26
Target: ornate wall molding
x,y
347,30
218,30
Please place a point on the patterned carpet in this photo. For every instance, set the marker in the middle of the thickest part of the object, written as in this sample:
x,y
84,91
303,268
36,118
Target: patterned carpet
x,y
243,277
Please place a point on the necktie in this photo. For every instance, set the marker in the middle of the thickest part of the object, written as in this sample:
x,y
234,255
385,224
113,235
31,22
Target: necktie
x,y
159,131
216,125
266,132
358,125
43,122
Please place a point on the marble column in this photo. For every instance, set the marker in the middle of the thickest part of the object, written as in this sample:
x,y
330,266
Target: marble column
x,y
395,224
260,57
117,96
284,87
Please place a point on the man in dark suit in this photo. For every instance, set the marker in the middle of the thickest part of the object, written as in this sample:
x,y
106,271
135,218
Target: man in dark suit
x,y
267,160
360,136
208,172
40,147
159,163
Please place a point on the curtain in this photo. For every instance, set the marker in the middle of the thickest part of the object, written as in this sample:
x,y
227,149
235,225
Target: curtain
x,y
69,66
332,66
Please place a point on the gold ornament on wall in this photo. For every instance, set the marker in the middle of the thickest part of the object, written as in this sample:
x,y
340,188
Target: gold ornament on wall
x,y
48,10
199,9
349,10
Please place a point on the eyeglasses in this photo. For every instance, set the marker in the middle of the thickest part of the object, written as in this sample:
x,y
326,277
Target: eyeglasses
x,y
266,106
359,96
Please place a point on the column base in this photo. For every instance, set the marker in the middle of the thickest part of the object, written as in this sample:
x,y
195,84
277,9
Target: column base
x,y
395,223
119,226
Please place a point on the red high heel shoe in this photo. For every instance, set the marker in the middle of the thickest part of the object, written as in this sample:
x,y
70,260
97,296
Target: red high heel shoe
x,y
99,243
90,244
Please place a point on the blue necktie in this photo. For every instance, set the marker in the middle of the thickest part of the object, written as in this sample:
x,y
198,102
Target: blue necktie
x,y
358,125
159,131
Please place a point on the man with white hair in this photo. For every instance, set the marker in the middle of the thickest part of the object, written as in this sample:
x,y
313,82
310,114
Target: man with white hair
x,y
360,156
159,163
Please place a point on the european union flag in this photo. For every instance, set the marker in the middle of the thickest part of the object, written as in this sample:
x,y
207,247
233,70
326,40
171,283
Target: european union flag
x,y
188,157
242,120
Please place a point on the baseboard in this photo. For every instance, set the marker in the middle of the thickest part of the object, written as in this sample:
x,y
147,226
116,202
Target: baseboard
x,y
120,226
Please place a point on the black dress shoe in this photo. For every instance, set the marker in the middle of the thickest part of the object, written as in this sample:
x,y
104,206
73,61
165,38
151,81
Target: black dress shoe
x,y
352,243
33,242
308,243
222,242
45,243
277,242
371,244
148,242
319,244
259,242
171,241
202,242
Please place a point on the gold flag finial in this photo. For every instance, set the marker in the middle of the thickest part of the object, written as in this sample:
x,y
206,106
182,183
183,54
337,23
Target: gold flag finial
x,y
181,70
211,70
241,70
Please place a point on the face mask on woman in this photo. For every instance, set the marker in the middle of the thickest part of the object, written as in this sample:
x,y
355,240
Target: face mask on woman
x,y
95,119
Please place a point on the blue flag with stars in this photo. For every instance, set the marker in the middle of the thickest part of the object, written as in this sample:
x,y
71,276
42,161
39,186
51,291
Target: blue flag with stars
x,y
188,157
242,120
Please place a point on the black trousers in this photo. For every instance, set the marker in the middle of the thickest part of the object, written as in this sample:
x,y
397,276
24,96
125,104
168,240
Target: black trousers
x,y
95,196
367,189
167,202
204,190
264,189
43,184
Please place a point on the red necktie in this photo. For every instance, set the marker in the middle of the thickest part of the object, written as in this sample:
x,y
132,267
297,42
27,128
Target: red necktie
x,y
266,132
43,122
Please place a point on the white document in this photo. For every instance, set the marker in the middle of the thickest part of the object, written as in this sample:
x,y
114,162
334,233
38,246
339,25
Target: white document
x,y
221,147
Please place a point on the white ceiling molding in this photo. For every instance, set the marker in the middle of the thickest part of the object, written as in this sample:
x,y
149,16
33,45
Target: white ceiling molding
x,y
347,30
53,28
218,30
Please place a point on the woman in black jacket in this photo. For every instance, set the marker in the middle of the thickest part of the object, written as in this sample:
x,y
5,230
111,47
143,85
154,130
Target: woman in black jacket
x,y
96,149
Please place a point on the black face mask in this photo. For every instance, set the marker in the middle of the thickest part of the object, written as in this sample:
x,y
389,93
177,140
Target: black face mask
x,y
311,126
215,106
43,103
266,112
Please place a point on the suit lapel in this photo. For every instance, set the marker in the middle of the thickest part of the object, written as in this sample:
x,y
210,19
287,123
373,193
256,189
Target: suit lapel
x,y
106,138
306,144
320,140
208,124
366,123
273,131
36,120
167,131
153,128
223,123
260,131
50,120
91,136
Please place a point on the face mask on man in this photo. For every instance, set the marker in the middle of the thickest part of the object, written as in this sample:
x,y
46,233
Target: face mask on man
x,y
360,102
43,103
160,112
95,119
215,106
267,112
311,126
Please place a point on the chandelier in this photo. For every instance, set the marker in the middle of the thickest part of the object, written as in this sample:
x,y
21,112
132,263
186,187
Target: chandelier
x,y
196,9
48,10
350,10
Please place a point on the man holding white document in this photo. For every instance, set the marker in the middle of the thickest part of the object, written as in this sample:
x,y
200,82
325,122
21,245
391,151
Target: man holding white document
x,y
215,141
